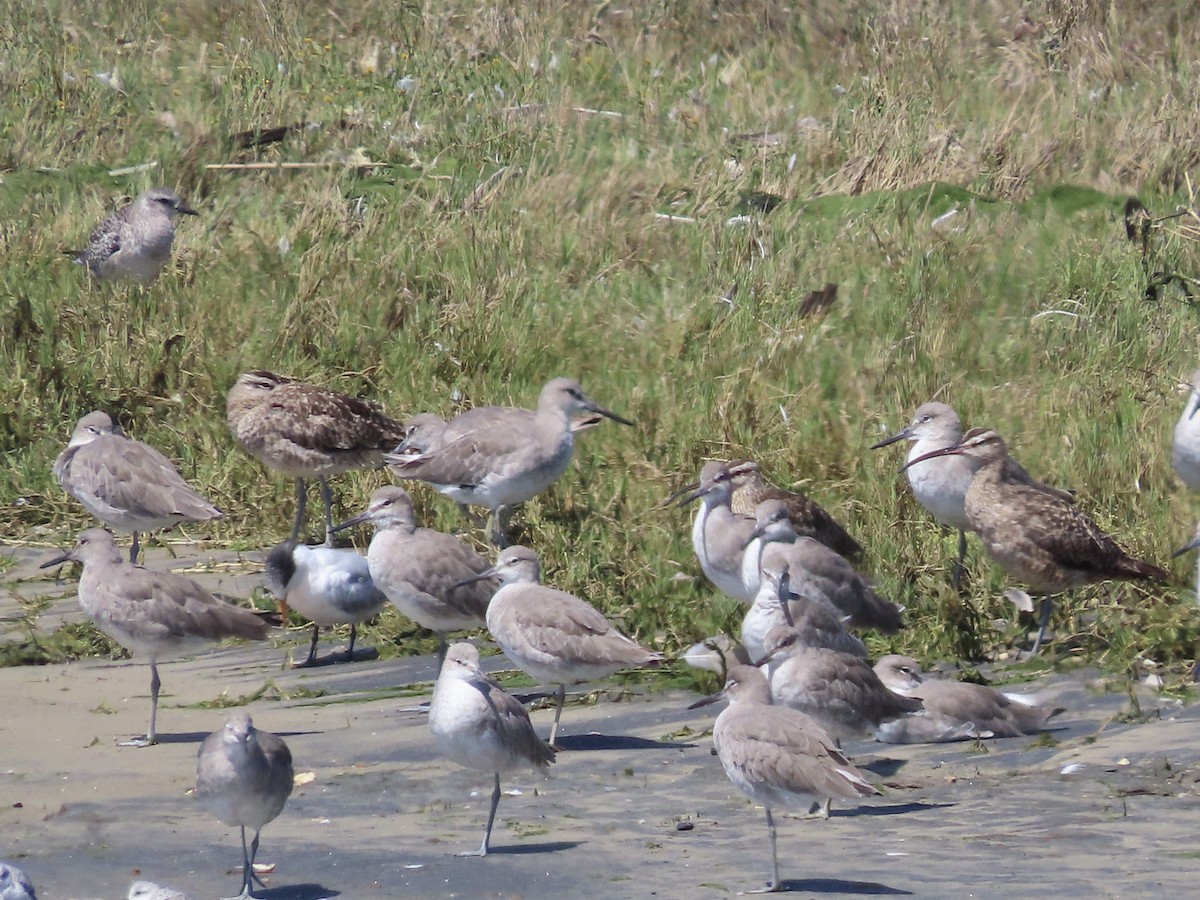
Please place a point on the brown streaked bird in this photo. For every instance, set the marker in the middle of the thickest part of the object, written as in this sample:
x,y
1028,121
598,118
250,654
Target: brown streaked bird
x,y
305,431
1034,532
154,614
777,756
719,535
956,710
126,484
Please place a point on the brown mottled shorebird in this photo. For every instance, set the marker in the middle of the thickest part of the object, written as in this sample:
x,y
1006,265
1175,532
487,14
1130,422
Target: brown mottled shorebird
x,y
718,533
551,635
777,756
244,777
422,571
126,484
497,457
135,241
154,614
1035,532
479,726
955,710
305,431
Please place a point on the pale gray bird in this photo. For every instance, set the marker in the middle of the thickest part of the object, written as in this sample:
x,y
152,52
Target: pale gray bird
x,y
719,535
244,777
154,614
777,756
14,885
148,890
776,605
135,241
1185,457
126,484
477,725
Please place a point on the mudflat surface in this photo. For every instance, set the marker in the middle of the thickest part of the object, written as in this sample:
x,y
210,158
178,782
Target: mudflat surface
x,y
383,815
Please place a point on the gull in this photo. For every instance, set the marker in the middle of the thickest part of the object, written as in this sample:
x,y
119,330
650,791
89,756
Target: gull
x,y
14,885
719,535
477,725
135,241
126,484
326,586
154,614
497,457
552,636
305,431
777,756
244,777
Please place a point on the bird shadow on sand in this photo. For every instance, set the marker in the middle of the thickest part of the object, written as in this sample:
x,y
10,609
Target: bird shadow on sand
x,y
296,892
840,886
614,742
897,809
527,849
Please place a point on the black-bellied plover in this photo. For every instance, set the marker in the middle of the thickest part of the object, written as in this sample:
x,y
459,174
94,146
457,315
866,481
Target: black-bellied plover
x,y
135,241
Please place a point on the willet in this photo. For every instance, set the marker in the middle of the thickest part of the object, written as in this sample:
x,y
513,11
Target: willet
x,y
305,431
955,710
124,483
552,636
244,777
423,571
1185,457
497,457
326,586
718,654
777,756
1034,532
719,535
148,890
135,241
477,725
940,485
14,885
154,614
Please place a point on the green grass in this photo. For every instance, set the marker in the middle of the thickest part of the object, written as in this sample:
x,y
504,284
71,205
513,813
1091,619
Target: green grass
x,y
510,238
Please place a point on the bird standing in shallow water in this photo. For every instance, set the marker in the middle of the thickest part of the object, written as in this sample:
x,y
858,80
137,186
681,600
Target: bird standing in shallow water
x,y
135,241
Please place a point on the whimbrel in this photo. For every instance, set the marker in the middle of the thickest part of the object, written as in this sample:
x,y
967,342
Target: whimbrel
x,y
497,457
135,241
479,726
1035,532
551,635
126,484
326,586
305,431
244,777
718,533
777,756
955,710
154,614
14,884
421,570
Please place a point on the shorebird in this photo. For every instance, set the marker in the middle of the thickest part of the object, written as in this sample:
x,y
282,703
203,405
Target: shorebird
x,y
551,635
305,431
719,535
422,571
955,707
1185,443
940,485
124,483
497,457
148,890
326,586
154,614
718,654
777,605
777,756
477,725
135,241
14,885
244,777
1034,532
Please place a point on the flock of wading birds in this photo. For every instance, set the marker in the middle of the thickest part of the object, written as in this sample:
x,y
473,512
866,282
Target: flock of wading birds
x,y
796,684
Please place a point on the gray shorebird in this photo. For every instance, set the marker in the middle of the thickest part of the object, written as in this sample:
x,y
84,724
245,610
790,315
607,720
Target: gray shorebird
x,y
428,575
955,710
552,636
325,585
719,535
126,484
816,622
244,777
1185,456
777,756
497,457
14,885
1034,532
479,726
305,431
154,614
135,241
148,890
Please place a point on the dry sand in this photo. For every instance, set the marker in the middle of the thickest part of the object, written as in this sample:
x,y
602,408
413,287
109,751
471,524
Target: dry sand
x,y
383,816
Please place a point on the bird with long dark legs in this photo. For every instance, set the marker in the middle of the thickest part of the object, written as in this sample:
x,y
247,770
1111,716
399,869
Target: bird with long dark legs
x,y
154,614
480,727
719,535
305,431
327,586
126,484
777,756
244,777
1034,532
135,241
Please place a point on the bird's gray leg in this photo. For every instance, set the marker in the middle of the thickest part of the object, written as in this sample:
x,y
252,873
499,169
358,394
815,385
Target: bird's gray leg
x,y
442,647
487,834
301,504
133,550
774,884
353,636
254,855
327,496
312,647
956,576
247,872
1047,606
151,735
561,697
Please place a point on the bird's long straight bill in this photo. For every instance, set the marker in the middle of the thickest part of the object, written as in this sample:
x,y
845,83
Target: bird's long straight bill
x,y
350,523
709,700
57,561
888,441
